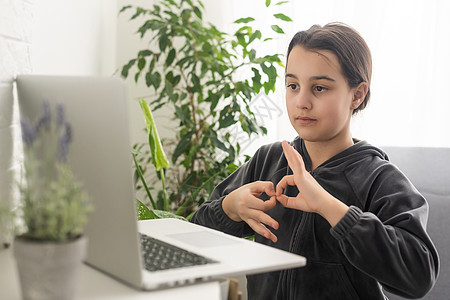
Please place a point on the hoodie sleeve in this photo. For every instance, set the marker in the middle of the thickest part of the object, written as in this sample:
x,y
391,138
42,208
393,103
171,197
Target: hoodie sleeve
x,y
211,214
386,236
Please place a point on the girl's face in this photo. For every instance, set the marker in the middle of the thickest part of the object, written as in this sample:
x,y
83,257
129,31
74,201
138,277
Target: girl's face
x,y
318,98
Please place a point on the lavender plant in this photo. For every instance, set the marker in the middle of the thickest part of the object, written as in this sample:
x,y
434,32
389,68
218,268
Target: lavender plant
x,y
54,206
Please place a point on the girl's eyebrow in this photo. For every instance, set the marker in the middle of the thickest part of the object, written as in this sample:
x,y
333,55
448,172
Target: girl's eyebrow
x,y
290,75
320,77
325,77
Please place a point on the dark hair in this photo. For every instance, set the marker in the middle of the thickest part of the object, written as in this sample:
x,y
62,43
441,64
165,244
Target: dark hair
x,y
347,44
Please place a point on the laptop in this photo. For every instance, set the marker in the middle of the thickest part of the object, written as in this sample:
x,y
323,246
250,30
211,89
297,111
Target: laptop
x,y
100,157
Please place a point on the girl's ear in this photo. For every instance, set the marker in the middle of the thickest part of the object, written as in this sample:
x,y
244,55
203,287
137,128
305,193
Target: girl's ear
x,y
359,94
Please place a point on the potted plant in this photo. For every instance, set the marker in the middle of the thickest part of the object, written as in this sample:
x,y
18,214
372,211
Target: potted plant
x,y
49,246
207,78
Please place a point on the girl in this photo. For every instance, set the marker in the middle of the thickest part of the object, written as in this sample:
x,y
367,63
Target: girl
x,y
331,198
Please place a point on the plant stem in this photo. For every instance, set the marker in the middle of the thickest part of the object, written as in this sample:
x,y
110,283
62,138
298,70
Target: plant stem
x,y
163,183
141,177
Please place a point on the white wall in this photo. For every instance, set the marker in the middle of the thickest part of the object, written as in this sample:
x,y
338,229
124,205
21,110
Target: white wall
x,y
74,37
71,37
15,41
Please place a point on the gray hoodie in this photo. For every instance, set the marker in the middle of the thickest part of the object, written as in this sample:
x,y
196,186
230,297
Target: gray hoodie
x,y
380,243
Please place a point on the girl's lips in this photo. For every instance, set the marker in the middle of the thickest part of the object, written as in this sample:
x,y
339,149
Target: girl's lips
x,y
305,120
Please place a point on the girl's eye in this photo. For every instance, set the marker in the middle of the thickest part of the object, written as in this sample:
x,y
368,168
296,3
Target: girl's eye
x,y
319,88
292,86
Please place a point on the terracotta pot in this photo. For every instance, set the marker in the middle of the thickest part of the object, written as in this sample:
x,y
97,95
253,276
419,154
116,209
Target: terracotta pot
x,y
48,270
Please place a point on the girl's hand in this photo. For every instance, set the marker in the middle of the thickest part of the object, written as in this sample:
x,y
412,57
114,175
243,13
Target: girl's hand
x,y
243,204
311,197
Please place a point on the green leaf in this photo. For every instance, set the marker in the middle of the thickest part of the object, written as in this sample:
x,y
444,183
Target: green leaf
x,y
163,42
153,79
127,67
196,82
182,146
152,65
161,214
169,89
214,101
252,54
185,14
156,80
139,11
176,80
184,114
270,71
247,124
169,76
232,167
226,121
256,35
184,60
148,79
281,2
256,81
263,129
156,9
277,29
143,212
136,76
216,142
244,20
141,64
267,3
283,17
170,57
159,159
198,12
145,52
124,8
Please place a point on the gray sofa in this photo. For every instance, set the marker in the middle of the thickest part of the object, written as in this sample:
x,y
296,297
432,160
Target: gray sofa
x,y
429,170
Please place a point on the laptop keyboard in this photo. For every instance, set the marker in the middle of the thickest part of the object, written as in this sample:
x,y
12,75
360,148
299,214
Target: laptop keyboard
x,y
159,255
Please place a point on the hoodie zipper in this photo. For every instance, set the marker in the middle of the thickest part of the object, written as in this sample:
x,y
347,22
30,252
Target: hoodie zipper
x,y
288,291
300,227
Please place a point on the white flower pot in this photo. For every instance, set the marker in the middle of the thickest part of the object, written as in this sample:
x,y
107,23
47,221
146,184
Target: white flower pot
x,y
48,270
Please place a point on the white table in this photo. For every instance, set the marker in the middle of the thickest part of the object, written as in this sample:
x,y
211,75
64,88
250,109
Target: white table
x,y
94,285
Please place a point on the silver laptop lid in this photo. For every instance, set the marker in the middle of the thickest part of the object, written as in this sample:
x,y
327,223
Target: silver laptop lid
x,y
96,107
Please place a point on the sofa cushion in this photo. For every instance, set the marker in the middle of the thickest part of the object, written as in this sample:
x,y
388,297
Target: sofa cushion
x,y
429,171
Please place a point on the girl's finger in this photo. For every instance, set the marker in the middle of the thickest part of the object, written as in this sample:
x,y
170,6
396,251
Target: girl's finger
x,y
294,158
262,230
258,204
289,202
269,204
264,218
283,183
260,217
259,187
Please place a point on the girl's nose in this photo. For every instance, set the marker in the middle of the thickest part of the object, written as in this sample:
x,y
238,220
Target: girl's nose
x,y
303,100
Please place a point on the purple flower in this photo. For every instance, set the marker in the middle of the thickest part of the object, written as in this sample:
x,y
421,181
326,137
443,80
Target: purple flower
x,y
28,133
45,119
60,116
64,142
61,130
